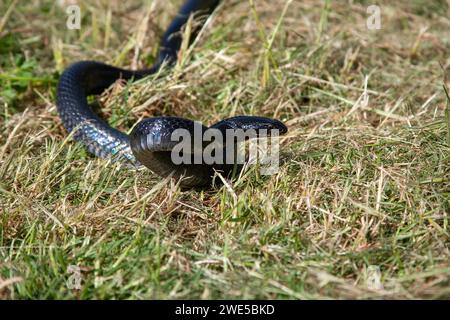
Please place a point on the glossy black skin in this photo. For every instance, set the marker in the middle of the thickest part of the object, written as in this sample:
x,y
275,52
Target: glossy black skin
x,y
85,78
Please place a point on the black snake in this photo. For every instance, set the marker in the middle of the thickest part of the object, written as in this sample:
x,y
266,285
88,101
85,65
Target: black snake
x,y
150,141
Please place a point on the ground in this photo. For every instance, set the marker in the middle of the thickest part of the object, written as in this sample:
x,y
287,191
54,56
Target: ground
x,y
360,205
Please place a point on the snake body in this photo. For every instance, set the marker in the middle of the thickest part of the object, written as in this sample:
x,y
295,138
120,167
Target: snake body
x,y
149,142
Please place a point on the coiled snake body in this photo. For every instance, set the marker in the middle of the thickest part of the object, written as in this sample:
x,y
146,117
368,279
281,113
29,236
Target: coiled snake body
x,y
150,141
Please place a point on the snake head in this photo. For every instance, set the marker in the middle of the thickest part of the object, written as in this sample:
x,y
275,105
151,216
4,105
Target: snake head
x,y
259,124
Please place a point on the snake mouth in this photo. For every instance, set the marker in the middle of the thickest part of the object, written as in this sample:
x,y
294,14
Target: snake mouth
x,y
271,126
260,125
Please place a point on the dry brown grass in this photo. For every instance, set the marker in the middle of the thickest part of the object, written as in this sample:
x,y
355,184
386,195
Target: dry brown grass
x,y
364,180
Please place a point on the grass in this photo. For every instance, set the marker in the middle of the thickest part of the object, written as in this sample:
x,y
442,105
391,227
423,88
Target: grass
x,y
363,188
